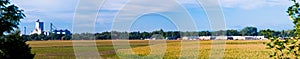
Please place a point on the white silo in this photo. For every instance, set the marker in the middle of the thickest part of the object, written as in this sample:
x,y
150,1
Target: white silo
x,y
39,27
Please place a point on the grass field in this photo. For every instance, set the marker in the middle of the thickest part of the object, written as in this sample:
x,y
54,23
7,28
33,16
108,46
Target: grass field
x,y
254,49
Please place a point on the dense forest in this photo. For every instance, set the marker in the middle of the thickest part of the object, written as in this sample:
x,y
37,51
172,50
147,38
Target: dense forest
x,y
247,31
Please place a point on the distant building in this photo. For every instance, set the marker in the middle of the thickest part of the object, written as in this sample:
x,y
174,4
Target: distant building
x,y
204,37
64,32
190,38
171,38
39,27
223,37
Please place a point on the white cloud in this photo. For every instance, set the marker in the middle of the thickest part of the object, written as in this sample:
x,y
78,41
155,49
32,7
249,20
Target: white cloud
x,y
133,8
244,4
64,9
47,9
252,4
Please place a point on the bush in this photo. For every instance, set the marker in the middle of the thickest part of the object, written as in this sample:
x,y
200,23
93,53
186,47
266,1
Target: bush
x,y
13,47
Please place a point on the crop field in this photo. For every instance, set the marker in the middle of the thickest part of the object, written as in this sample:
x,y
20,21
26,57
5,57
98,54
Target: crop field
x,y
252,49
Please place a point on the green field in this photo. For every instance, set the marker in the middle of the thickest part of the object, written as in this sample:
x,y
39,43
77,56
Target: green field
x,y
234,49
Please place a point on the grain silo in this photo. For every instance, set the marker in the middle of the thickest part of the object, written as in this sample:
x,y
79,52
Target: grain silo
x,y
39,27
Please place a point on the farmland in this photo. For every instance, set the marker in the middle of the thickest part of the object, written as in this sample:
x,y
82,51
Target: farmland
x,y
254,49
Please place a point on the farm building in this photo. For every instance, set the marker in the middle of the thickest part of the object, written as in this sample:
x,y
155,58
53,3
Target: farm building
x,y
223,37
205,37
246,37
190,38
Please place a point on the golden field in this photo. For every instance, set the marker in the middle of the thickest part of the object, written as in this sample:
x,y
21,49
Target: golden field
x,y
247,49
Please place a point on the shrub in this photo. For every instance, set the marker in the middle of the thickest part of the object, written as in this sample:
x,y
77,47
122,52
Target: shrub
x,y
14,47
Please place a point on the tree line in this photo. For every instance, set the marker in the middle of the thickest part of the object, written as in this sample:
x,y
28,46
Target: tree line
x,y
247,31
52,36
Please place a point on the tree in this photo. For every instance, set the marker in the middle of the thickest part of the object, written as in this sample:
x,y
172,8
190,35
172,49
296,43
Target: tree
x,y
160,32
10,17
172,35
219,33
34,37
82,36
232,33
12,46
103,35
134,35
66,37
289,48
290,33
268,33
145,35
204,33
249,31
293,12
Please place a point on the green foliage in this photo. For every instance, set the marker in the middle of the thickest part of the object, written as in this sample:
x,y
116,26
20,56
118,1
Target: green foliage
x,y
67,37
10,17
83,36
232,33
52,36
219,33
283,49
249,31
289,48
103,35
160,32
204,33
13,47
172,35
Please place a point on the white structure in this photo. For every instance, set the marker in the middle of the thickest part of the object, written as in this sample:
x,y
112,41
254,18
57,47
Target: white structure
x,y
246,37
190,38
204,37
238,37
39,27
224,37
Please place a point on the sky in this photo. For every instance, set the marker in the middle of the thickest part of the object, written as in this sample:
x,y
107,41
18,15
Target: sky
x,y
263,14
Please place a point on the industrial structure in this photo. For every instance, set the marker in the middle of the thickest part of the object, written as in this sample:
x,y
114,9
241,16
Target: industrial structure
x,y
39,29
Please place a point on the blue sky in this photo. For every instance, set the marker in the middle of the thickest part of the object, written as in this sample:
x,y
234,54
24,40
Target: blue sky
x,y
238,14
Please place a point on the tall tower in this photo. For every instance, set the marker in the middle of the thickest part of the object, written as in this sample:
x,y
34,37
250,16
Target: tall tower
x,y
39,27
51,29
25,29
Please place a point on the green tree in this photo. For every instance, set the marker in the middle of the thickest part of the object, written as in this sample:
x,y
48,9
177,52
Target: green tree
x,y
145,35
204,33
103,35
66,37
160,32
249,31
134,35
232,33
10,17
270,33
289,48
219,33
13,47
